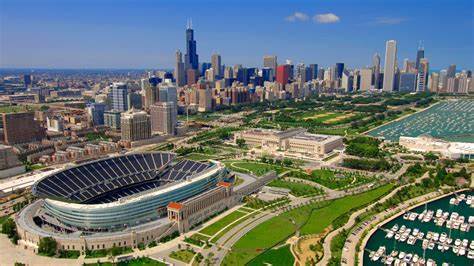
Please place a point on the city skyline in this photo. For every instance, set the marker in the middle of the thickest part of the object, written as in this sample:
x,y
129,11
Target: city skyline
x,y
155,46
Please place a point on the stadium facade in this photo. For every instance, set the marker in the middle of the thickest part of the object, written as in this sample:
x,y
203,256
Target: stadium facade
x,y
119,201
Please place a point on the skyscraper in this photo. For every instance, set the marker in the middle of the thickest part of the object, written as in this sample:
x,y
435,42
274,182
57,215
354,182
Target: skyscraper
x,y
96,113
407,82
179,73
135,125
191,57
270,61
283,74
120,97
423,71
419,55
339,70
163,118
451,71
365,79
216,65
376,66
390,65
314,71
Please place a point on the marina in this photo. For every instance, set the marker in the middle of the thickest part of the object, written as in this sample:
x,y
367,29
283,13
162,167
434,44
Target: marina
x,y
431,234
450,120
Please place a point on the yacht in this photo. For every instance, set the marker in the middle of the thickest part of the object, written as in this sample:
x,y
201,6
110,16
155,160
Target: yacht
x,y
435,236
465,242
462,251
440,247
406,216
449,240
411,240
389,261
389,234
397,236
425,243
439,213
452,200
415,258
464,227
415,231
470,254
394,253
407,257
443,237
457,242
431,245
401,255
430,262
471,246
395,228
455,250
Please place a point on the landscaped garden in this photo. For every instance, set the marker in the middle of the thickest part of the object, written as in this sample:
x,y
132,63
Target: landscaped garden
x,y
309,219
334,179
255,168
297,189
184,255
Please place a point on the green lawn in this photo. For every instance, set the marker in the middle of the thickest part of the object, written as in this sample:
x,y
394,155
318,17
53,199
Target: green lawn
x,y
310,219
334,179
184,255
219,235
199,156
145,261
254,168
297,189
276,257
221,223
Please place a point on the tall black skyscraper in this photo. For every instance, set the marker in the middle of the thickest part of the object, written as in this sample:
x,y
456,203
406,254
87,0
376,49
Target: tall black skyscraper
x,y
191,57
419,55
339,70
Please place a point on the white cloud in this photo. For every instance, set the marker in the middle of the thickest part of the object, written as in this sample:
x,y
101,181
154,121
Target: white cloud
x,y
326,18
389,20
297,16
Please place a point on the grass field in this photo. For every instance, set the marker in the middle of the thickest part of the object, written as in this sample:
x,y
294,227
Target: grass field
x,y
335,179
254,168
297,189
219,235
276,257
199,156
223,222
310,219
184,255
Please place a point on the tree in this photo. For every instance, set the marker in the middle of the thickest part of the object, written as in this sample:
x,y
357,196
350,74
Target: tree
x,y
47,246
9,228
240,143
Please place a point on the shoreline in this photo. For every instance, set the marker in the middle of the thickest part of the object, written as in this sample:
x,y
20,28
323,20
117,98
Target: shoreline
x,y
377,226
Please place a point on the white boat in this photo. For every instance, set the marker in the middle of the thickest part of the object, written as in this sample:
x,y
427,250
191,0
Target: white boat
x,y
412,216
415,258
452,201
471,219
449,240
389,261
402,229
429,235
401,255
403,238
439,213
462,251
435,236
411,240
455,250
440,247
395,228
471,246
407,257
394,253
443,237
406,216
425,243
397,236
389,234
445,247
464,227
470,254
465,242
457,242
420,235
415,232
431,245
468,201
430,262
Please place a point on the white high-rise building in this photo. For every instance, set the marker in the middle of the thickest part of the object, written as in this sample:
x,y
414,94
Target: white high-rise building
x,y
390,65
365,79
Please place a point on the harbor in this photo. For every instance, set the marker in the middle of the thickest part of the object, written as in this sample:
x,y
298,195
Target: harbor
x,y
435,233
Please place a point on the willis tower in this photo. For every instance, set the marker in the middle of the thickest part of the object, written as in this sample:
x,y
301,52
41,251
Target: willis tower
x,y
191,57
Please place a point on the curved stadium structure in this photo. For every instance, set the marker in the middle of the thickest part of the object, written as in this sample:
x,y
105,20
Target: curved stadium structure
x,y
121,192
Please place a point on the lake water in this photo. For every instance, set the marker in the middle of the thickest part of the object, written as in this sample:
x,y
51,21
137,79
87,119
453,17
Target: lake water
x,y
450,120
378,238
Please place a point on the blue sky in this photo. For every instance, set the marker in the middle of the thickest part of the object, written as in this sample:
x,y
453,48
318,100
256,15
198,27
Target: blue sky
x,y
145,34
